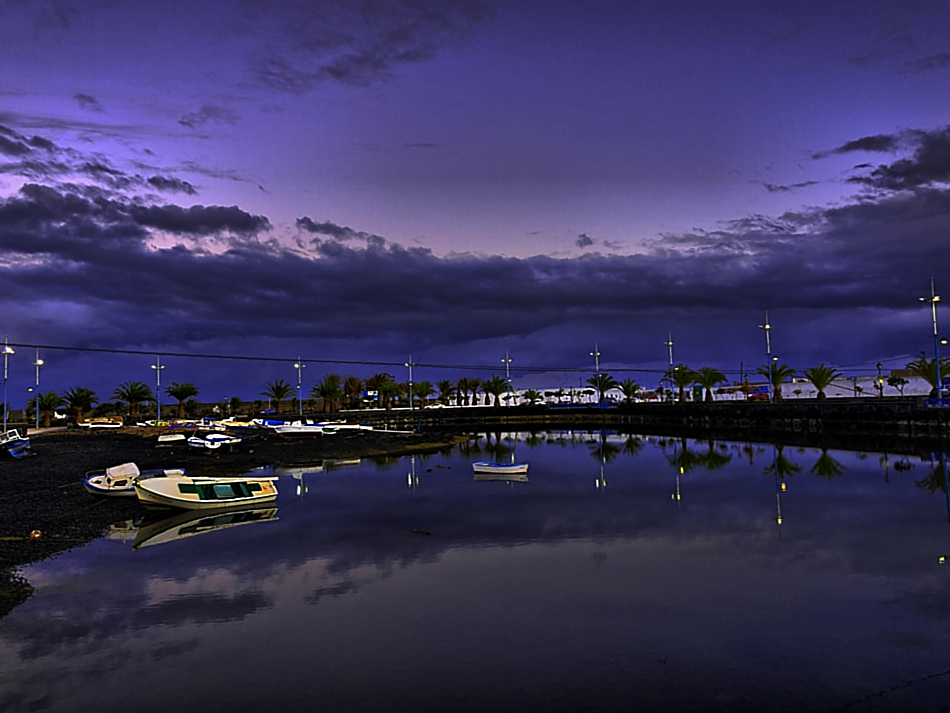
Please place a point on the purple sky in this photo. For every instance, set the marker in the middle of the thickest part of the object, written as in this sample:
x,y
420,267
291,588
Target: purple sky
x,y
453,179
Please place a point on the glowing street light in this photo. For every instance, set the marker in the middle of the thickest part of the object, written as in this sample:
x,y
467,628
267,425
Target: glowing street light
x,y
409,364
36,395
157,366
507,362
768,351
7,351
300,366
669,343
933,300
596,355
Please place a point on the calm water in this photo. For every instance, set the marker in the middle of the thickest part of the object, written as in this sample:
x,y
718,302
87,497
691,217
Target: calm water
x,y
589,587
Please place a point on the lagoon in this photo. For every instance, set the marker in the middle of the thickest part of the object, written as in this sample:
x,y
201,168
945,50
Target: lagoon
x,y
629,572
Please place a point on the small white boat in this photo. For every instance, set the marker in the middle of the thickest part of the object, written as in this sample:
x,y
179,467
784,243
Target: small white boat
x,y
119,480
171,437
299,428
500,468
15,444
200,493
102,422
213,440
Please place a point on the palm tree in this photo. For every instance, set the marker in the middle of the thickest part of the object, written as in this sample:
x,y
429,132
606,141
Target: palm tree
x,y
708,377
461,391
681,376
181,393
352,390
277,391
603,383
475,385
629,388
375,382
422,390
446,389
133,393
48,403
532,395
777,373
495,386
927,369
330,390
80,399
821,377
389,390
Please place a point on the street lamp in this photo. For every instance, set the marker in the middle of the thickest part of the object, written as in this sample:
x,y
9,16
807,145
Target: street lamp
x,y
507,362
768,351
36,396
669,343
300,366
933,300
7,351
409,364
157,366
880,381
596,355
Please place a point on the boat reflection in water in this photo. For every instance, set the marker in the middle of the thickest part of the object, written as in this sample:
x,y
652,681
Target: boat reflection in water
x,y
189,522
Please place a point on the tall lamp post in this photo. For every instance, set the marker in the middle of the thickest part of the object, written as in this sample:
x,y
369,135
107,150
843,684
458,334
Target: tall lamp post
x,y
768,351
933,300
300,366
507,362
36,395
409,364
157,366
7,351
596,355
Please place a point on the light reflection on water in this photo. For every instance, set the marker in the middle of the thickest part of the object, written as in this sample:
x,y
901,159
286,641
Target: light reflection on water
x,y
626,572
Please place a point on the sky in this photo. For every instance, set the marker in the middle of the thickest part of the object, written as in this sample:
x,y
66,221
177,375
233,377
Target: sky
x,y
365,183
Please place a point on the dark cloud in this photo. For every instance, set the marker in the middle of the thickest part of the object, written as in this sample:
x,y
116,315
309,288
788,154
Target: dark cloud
x,y
358,43
210,113
879,143
773,188
584,241
929,164
338,232
87,101
198,219
171,185
927,64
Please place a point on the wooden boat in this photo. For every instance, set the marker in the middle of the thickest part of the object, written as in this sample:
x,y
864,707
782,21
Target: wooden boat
x,y
200,493
119,480
15,444
189,523
500,468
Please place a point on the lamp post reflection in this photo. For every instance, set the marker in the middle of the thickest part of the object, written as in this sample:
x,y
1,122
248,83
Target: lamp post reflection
x,y
413,478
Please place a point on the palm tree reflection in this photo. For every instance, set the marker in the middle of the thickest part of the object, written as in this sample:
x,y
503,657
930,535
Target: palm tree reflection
x,y
826,466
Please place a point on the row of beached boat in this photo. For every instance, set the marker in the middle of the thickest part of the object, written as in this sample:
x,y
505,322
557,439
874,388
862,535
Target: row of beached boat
x,y
175,488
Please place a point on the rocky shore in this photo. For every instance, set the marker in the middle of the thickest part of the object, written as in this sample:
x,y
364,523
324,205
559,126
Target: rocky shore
x,y
43,493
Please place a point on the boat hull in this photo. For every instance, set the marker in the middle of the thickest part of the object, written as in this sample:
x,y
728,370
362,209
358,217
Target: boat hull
x,y
205,493
501,468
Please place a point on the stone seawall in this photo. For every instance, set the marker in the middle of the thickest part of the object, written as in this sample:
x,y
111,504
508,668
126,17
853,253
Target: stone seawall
x,y
855,424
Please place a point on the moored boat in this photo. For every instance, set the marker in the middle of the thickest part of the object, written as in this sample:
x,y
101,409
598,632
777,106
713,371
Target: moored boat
x,y
213,440
296,429
500,468
203,493
119,480
15,444
101,422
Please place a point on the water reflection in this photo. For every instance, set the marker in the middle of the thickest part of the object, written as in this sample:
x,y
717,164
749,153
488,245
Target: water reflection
x,y
368,594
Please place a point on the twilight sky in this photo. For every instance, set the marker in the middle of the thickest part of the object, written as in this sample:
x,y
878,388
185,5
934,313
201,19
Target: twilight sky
x,y
365,180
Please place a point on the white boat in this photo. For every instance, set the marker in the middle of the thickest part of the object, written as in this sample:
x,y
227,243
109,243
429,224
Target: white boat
x,y
500,468
201,493
119,480
171,437
189,523
15,444
299,428
101,422
213,440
